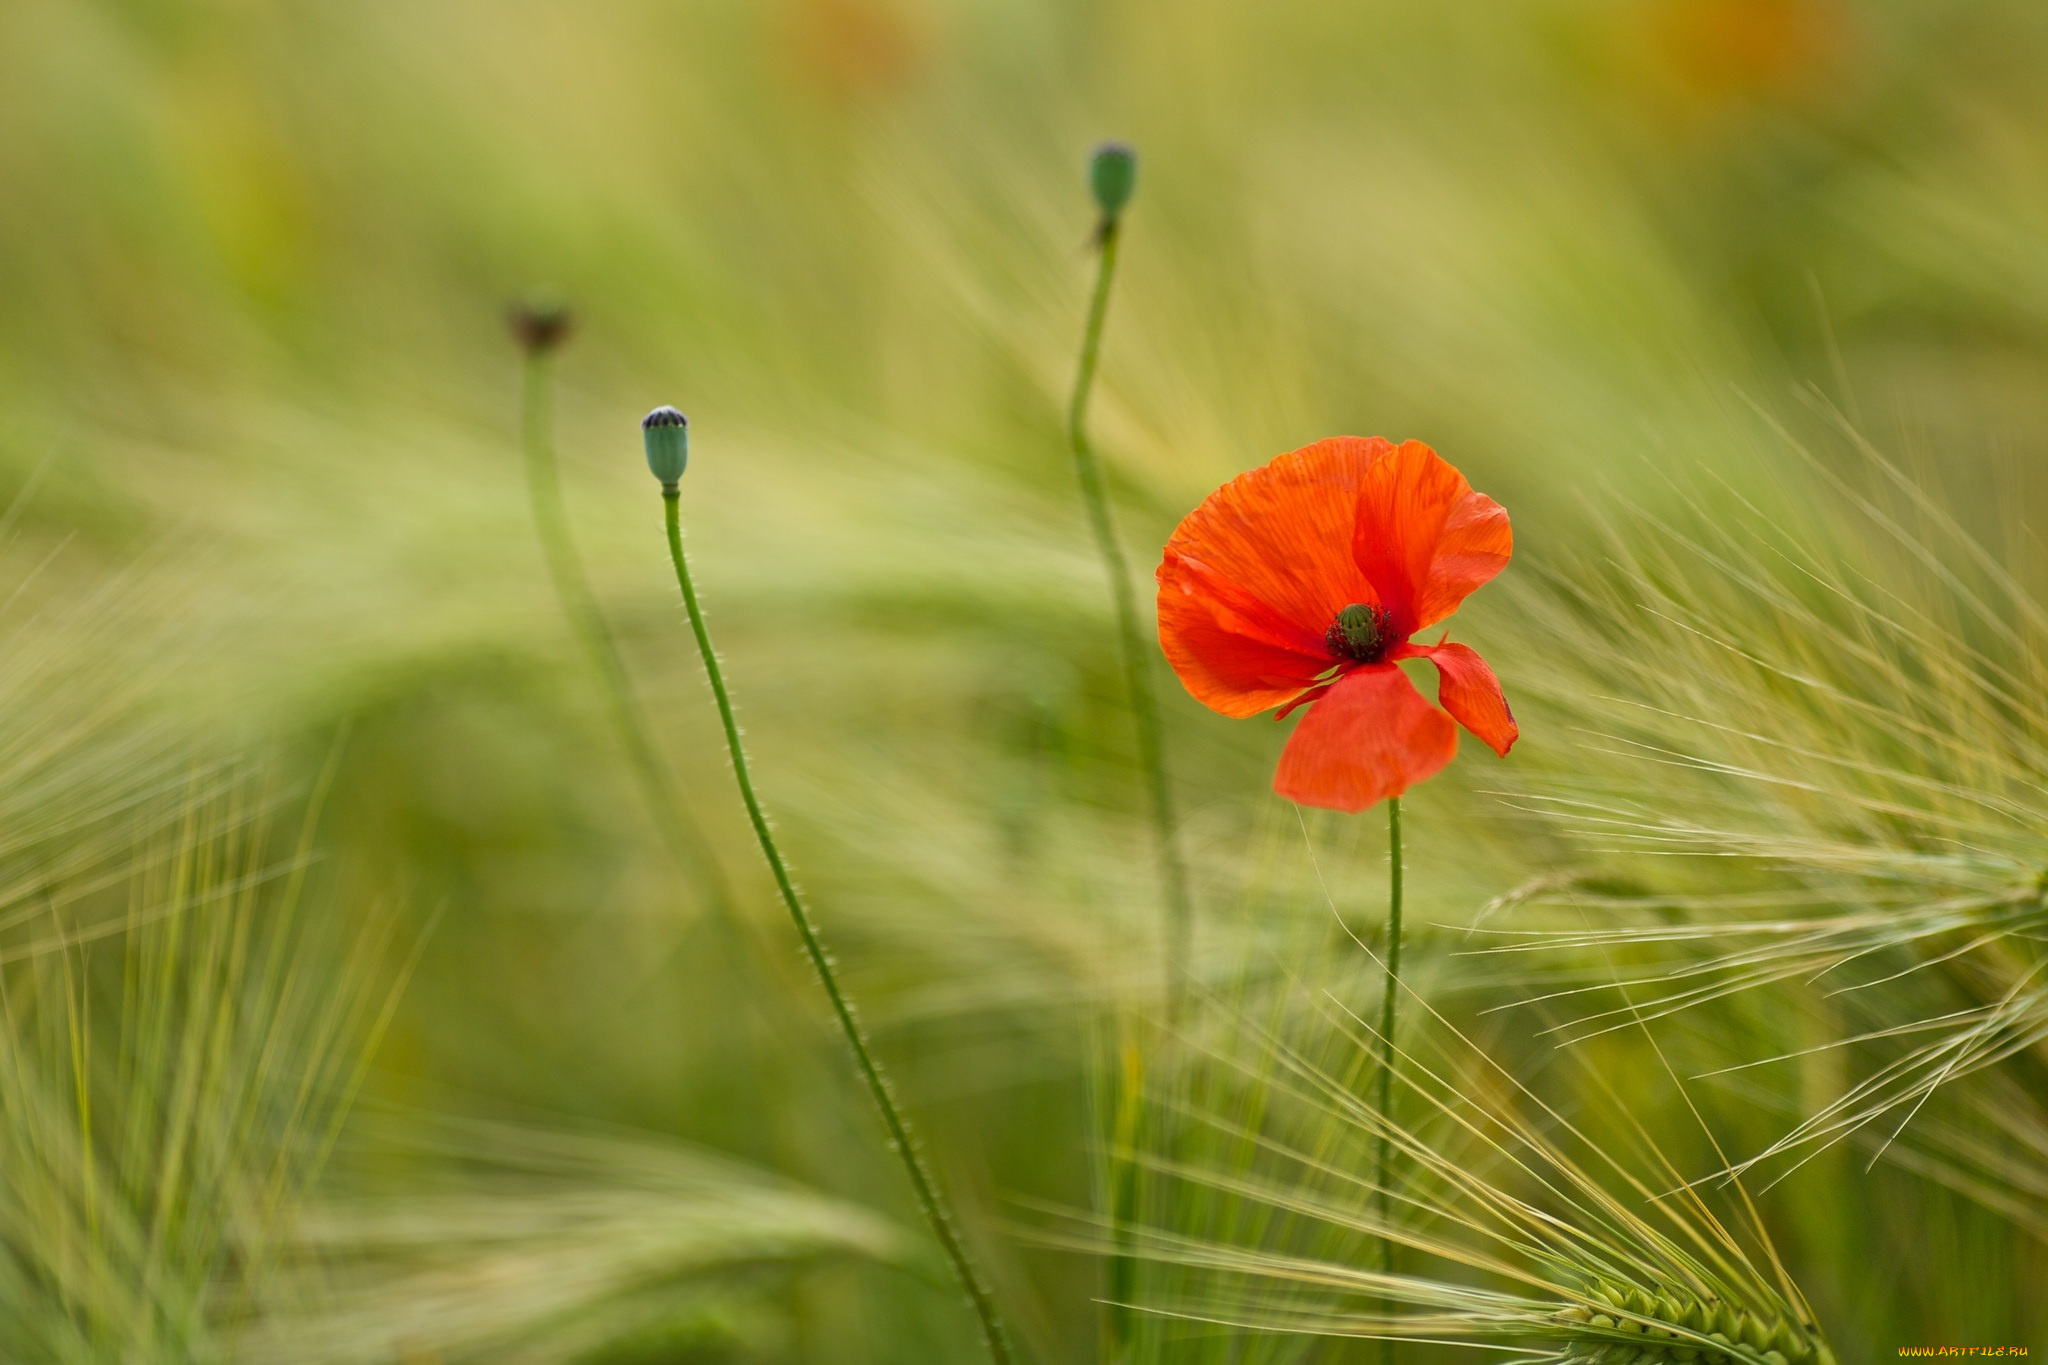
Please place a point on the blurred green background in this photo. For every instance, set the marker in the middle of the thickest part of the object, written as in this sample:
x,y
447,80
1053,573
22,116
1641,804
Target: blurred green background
x,y
259,432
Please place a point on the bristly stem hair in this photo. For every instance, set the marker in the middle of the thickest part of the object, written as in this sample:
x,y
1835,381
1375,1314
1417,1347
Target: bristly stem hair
x,y
929,1197
1136,657
540,332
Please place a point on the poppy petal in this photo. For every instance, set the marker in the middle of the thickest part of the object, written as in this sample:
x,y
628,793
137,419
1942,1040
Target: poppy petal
x,y
1470,692
1234,653
1272,549
1369,737
1424,538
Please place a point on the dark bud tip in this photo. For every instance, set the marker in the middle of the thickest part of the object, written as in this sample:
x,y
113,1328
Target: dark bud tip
x,y
667,436
1112,176
540,327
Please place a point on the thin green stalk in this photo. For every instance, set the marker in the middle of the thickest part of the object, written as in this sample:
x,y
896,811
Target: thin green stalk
x,y
685,841
1127,1091
922,1181
1387,1003
1137,659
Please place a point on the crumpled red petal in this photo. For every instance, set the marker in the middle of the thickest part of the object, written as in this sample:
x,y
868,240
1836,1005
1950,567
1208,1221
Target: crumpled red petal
x,y
1369,737
1260,570
1234,653
1468,690
1424,538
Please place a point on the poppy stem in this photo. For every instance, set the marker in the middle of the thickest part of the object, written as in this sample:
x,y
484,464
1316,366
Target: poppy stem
x,y
929,1197
1137,676
1387,1002
686,842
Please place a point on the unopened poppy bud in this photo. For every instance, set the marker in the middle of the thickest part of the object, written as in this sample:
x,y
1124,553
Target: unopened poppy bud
x,y
540,327
667,433
1112,175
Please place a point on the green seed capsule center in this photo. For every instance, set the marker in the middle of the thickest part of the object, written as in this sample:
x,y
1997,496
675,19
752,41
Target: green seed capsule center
x,y
1360,632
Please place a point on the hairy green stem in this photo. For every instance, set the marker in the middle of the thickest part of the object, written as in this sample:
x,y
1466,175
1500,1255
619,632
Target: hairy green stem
x,y
685,841
1136,658
1387,1003
922,1181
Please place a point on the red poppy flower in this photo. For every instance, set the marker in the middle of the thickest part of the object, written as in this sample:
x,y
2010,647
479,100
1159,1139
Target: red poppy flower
x,y
1301,583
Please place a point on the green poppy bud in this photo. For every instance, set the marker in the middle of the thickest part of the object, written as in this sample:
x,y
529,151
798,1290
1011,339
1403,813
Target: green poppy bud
x,y
1112,175
667,433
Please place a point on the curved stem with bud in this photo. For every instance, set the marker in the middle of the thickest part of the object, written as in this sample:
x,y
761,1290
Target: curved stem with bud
x,y
929,1196
1112,176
